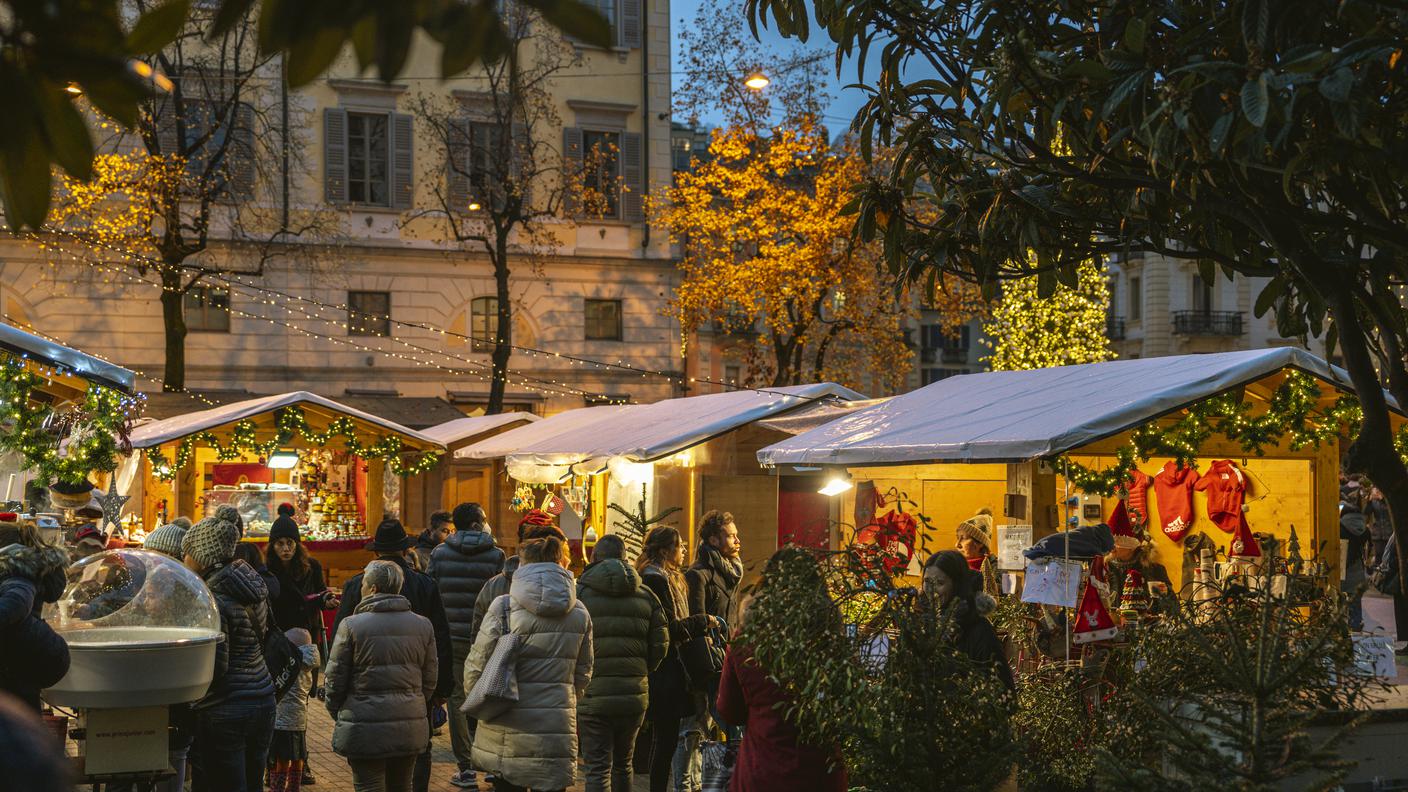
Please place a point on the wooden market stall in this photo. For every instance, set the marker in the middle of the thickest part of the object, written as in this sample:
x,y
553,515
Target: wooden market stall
x,y
341,469
695,453
465,480
1003,440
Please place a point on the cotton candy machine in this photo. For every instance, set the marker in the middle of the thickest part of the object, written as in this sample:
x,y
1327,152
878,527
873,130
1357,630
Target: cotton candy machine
x,y
142,631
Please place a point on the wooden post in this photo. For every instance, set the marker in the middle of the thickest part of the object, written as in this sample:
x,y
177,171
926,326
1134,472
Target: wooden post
x,y
1032,498
376,471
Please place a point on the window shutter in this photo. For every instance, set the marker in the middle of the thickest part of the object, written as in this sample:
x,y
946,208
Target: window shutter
x,y
632,178
335,155
521,162
630,26
402,161
572,168
457,165
239,155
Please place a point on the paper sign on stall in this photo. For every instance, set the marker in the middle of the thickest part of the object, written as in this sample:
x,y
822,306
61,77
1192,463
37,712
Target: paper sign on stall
x,y
1011,541
1054,581
1373,656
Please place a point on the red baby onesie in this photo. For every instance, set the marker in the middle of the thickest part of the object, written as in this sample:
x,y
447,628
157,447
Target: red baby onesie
x,y
1137,485
1226,488
1174,488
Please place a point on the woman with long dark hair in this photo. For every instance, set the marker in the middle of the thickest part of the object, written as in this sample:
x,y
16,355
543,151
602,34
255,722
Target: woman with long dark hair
x,y
661,566
956,593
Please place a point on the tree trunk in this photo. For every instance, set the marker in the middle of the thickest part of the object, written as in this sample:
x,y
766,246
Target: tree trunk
x,y
503,338
173,319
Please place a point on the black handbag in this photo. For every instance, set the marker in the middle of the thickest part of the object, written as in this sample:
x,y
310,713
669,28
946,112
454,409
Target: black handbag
x,y
282,656
703,658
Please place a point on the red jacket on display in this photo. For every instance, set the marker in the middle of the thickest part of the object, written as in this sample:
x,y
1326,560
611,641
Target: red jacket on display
x,y
1226,488
1174,488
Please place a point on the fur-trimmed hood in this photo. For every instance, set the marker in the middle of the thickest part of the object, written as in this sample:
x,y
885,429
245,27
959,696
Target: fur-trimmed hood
x,y
31,562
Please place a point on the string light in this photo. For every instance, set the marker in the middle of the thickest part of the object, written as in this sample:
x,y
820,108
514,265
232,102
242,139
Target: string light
x,y
1291,416
230,279
291,422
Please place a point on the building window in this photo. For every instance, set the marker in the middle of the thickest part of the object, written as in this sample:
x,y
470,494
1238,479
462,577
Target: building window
x,y
929,376
369,313
485,148
603,320
733,374
368,159
602,174
207,309
607,8
1136,299
483,323
1202,295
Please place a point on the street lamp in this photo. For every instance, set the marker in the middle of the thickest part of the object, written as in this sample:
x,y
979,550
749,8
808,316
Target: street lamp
x,y
757,81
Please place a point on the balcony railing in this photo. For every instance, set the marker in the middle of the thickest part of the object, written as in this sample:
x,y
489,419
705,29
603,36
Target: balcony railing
x,y
1114,328
1207,323
943,355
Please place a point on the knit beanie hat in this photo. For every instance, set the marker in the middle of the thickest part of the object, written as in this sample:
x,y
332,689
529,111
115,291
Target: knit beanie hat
x,y
535,518
286,509
978,528
211,541
284,528
231,515
167,540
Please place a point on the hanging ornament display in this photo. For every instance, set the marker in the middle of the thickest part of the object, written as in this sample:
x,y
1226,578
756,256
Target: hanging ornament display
x,y
891,539
1134,597
1093,622
112,504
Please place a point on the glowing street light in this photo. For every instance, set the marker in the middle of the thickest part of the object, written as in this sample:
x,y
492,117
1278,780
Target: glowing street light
x,y
757,81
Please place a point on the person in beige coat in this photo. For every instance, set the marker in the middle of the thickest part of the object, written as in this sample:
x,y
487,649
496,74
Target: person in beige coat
x,y
381,672
533,745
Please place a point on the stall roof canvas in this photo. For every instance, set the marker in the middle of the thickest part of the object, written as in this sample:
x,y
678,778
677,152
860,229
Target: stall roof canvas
x,y
647,432
502,445
84,366
459,430
172,429
1011,416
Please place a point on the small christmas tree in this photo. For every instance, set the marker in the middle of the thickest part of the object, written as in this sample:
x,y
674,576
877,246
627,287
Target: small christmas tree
x,y
634,526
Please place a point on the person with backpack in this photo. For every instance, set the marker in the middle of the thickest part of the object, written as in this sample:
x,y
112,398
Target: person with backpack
x,y
629,639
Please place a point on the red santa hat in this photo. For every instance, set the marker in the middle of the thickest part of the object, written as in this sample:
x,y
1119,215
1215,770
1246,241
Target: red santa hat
x,y
1243,543
1121,527
1093,622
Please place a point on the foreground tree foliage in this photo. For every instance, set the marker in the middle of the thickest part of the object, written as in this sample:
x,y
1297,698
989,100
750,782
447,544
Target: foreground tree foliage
x,y
1254,137
871,670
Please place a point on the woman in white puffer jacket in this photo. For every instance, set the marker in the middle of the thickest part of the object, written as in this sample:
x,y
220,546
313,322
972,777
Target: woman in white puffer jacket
x,y
533,745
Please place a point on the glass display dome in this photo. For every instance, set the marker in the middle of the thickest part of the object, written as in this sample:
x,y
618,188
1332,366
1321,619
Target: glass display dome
x,y
141,630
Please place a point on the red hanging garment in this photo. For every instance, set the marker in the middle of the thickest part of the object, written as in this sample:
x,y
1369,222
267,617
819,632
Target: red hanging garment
x,y
1093,622
1226,487
1174,488
1137,485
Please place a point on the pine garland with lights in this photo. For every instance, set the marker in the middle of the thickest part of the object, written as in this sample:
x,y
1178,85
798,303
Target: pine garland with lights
x,y
1290,416
95,429
291,422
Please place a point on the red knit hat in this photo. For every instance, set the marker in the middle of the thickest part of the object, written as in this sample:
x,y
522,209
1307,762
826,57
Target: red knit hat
x,y
535,517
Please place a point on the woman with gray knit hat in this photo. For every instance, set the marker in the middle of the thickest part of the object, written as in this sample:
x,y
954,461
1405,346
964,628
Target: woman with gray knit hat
x,y
235,718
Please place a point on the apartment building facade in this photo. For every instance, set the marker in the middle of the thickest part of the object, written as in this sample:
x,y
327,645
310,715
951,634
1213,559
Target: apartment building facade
x,y
383,301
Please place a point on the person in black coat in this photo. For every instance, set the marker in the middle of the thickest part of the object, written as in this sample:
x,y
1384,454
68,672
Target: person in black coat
x,y
670,697
461,565
32,655
391,544
951,585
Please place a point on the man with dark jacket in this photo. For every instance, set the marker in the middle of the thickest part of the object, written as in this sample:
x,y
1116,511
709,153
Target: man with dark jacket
x,y
391,544
234,721
630,636
461,565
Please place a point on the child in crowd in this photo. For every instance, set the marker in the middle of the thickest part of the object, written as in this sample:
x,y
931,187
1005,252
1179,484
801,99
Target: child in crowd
x,y
291,720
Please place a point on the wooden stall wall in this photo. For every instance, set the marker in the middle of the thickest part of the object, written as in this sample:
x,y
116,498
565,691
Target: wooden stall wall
x,y
946,494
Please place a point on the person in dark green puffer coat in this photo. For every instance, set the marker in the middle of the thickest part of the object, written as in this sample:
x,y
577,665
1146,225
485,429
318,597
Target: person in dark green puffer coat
x,y
631,635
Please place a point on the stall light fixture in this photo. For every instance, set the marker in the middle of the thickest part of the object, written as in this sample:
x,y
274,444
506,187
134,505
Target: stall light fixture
x,y
283,460
838,484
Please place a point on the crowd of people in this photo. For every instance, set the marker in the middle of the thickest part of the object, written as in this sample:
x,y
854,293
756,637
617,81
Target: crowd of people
x,y
623,658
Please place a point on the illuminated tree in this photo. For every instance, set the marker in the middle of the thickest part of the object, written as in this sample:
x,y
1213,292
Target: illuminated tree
x,y
1030,331
198,189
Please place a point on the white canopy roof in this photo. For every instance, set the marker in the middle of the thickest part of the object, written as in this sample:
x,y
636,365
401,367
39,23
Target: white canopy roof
x,y
461,429
1009,416
177,427
48,352
647,432
501,445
